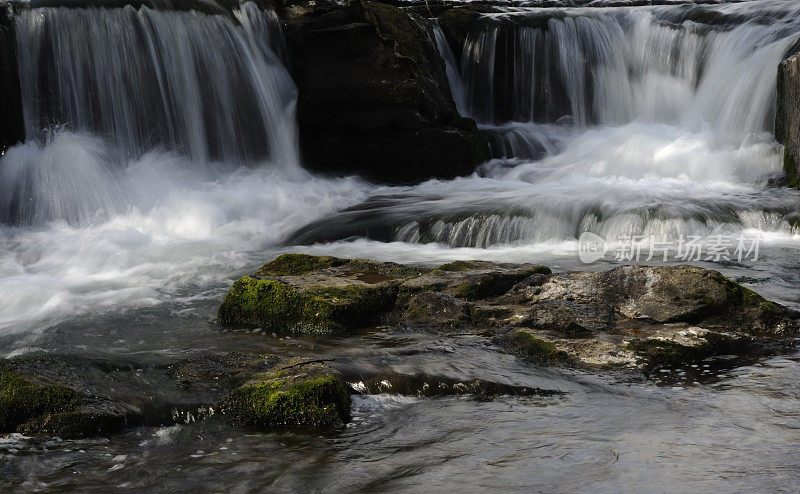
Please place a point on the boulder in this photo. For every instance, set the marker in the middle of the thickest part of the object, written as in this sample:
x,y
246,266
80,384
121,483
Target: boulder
x,y
305,294
374,97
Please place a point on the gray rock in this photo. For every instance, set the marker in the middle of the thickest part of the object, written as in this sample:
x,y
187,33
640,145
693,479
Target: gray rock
x,y
787,119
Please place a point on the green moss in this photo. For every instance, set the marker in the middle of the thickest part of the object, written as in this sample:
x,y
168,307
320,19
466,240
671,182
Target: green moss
x,y
322,401
297,264
366,269
739,295
537,349
273,304
22,400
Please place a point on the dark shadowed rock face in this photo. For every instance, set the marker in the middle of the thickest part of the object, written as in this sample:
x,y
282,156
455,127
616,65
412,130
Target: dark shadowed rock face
x,y
787,121
628,317
374,97
11,125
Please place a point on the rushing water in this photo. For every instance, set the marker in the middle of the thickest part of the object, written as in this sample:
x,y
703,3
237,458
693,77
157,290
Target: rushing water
x,y
161,163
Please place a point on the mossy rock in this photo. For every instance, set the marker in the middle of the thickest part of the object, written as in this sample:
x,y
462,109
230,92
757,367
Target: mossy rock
x,y
435,309
300,293
274,304
22,399
298,264
537,350
74,424
301,394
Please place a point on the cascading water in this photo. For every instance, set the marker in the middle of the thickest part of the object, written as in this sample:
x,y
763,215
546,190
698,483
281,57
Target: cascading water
x,y
136,82
161,152
611,68
641,121
184,81
160,165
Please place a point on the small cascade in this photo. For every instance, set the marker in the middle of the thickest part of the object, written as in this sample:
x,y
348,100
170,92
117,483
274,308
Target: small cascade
x,y
197,84
613,66
105,89
623,122
451,67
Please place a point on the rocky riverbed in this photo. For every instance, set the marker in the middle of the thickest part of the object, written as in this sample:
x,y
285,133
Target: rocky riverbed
x,y
630,320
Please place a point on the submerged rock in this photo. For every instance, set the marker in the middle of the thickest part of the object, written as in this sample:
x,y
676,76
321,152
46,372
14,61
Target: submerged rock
x,y
631,316
424,385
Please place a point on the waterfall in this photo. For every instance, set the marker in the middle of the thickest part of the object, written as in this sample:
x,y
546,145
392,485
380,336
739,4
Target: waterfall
x,y
197,84
624,122
451,67
603,67
104,90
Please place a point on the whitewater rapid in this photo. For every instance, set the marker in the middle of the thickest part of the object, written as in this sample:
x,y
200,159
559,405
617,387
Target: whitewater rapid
x,y
667,133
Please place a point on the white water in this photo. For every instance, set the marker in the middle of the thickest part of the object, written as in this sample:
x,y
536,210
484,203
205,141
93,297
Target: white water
x,y
104,219
153,228
101,218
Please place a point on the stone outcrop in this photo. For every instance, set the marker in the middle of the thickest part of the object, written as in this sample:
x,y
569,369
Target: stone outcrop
x,y
629,317
787,120
374,97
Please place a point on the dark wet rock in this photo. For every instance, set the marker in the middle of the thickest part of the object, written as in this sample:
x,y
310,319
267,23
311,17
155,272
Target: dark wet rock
x,y
374,97
424,385
300,393
440,310
787,120
61,396
213,376
456,24
95,418
12,130
628,317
